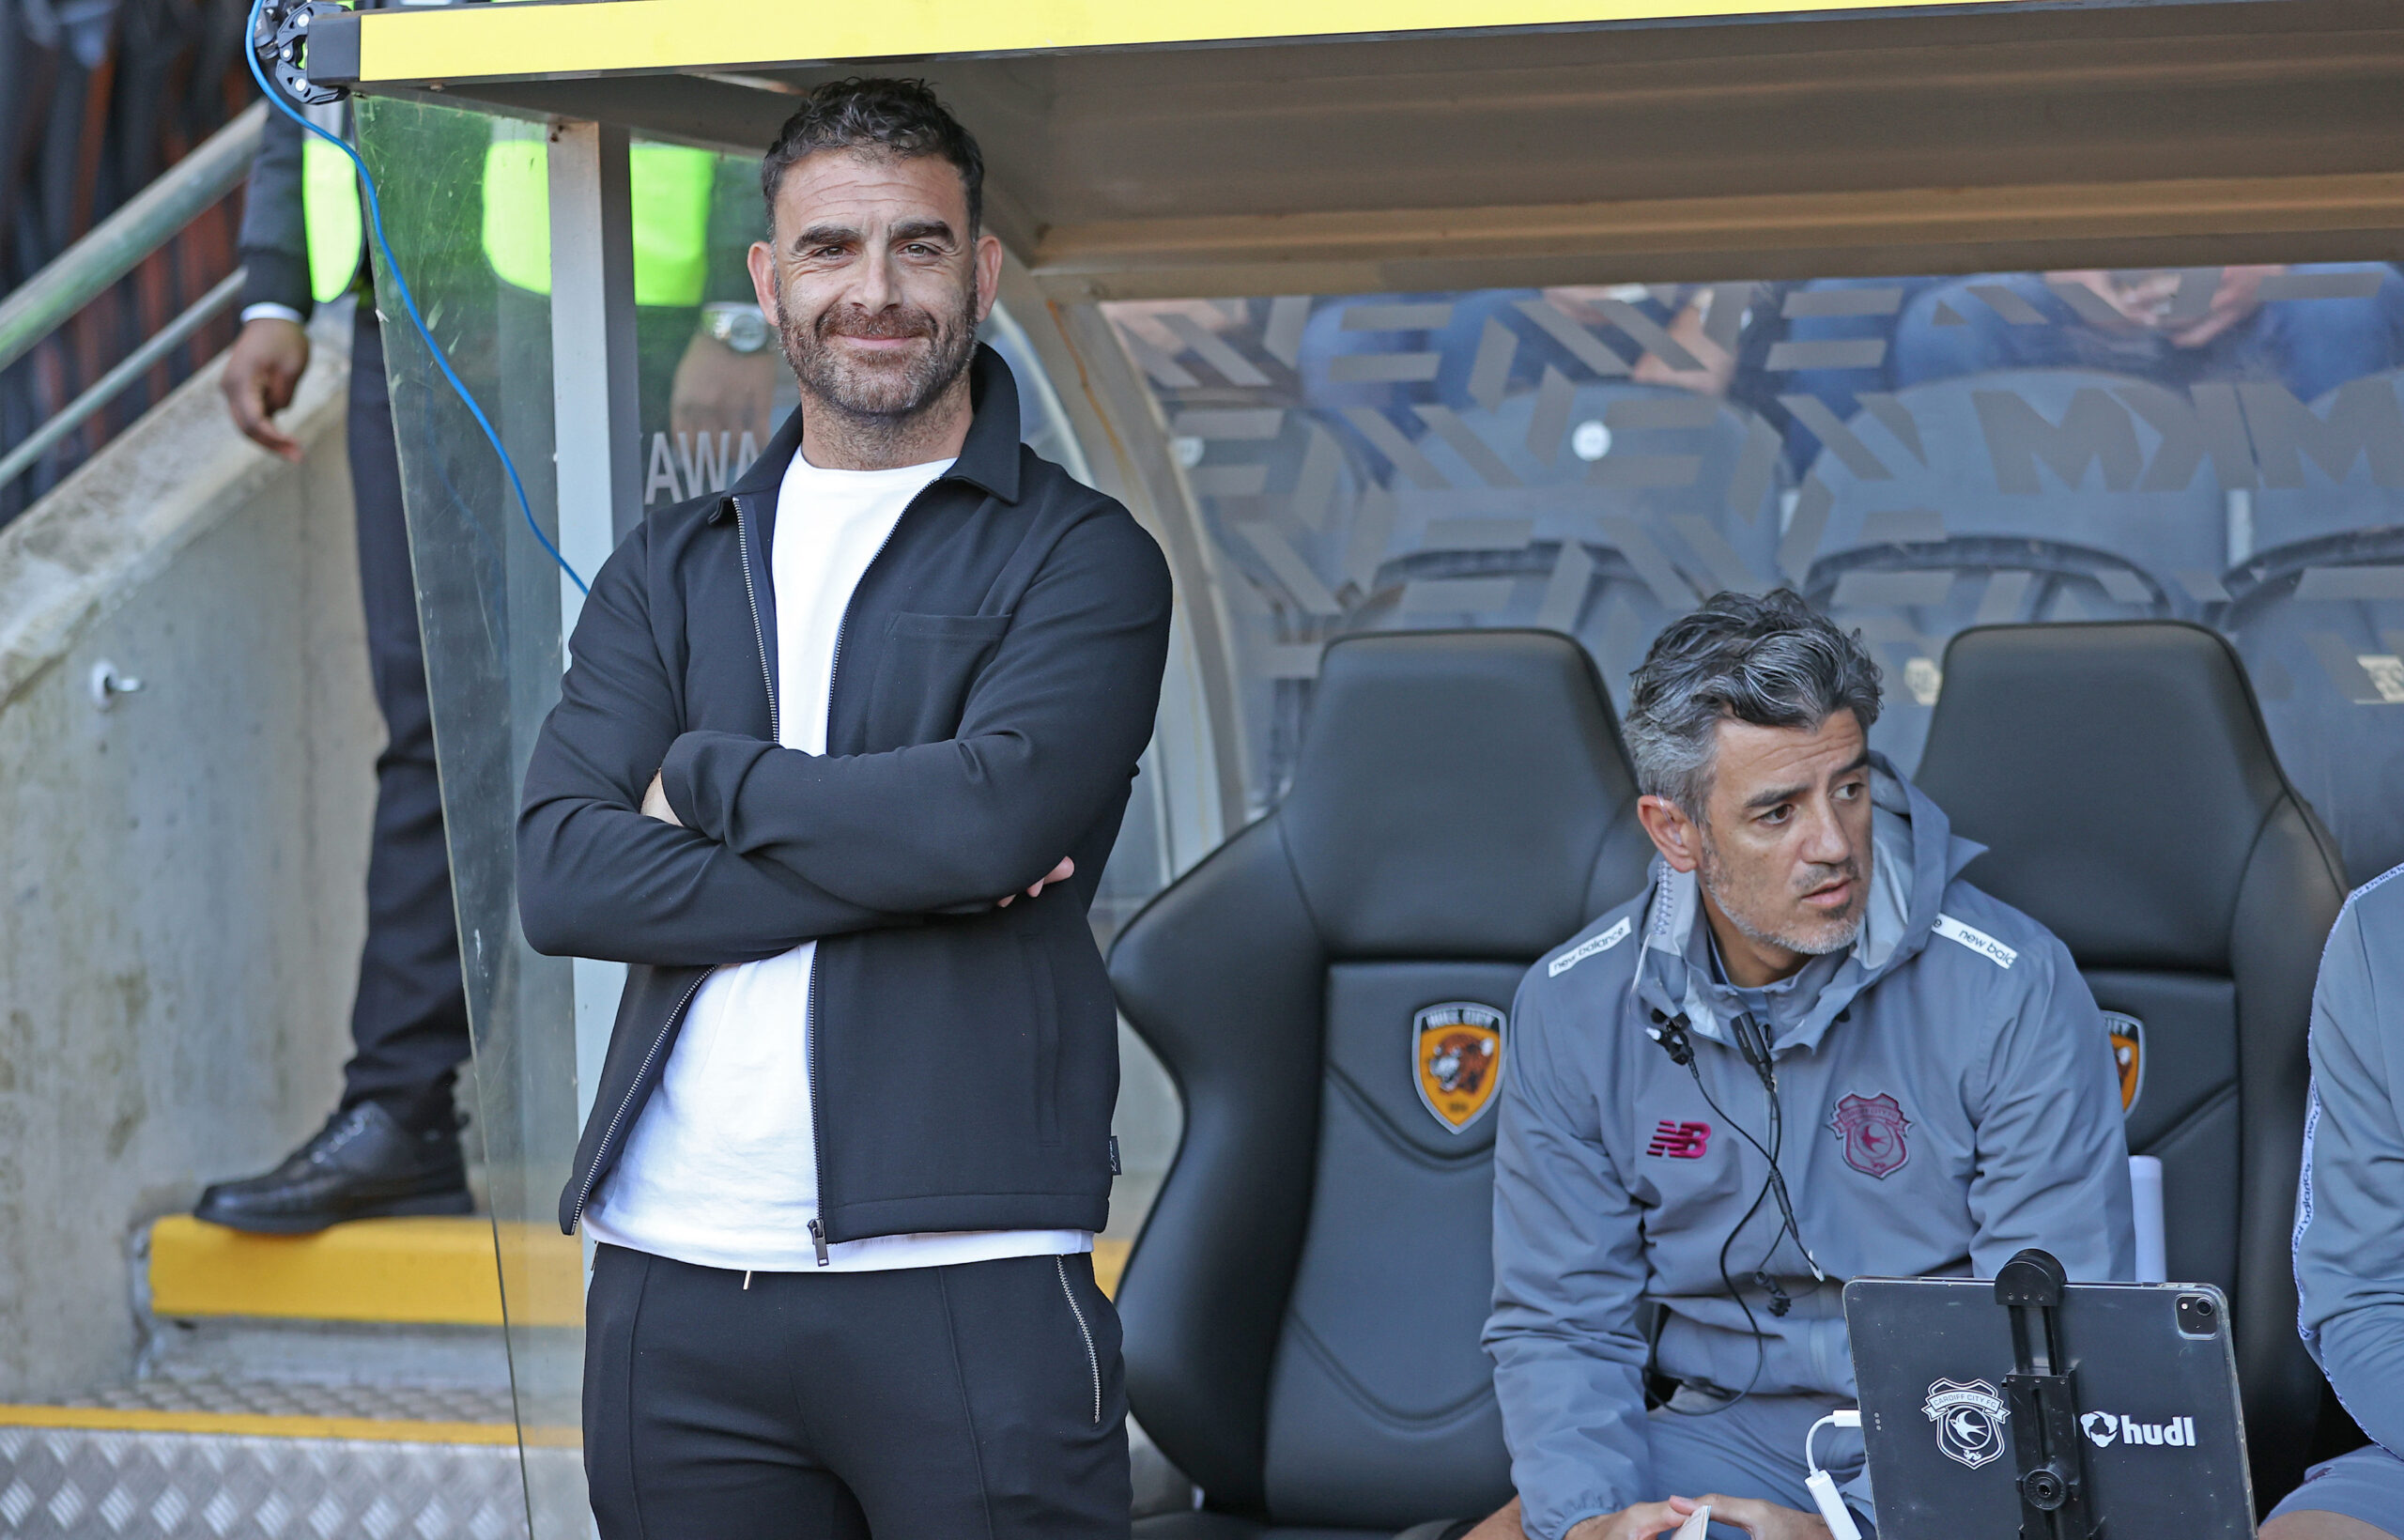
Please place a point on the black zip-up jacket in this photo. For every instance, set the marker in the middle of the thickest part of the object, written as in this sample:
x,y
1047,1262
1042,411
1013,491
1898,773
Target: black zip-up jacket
x,y
994,680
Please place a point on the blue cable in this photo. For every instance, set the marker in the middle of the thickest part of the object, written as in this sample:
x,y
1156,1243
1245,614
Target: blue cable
x,y
400,285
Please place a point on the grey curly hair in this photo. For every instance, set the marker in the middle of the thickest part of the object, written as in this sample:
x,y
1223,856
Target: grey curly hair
x,y
1769,659
898,117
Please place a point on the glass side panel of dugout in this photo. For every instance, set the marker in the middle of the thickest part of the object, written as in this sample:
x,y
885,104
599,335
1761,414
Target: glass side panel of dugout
x,y
1916,454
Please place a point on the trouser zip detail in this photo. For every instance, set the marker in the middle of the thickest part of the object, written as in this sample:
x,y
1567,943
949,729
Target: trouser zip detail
x,y
1093,1360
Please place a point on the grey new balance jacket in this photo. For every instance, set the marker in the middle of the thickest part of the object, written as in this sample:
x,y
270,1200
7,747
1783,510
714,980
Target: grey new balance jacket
x,y
2349,1233
1949,1097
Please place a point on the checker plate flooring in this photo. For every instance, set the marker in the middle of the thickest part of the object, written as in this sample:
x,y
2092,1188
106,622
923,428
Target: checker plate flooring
x,y
286,1398
68,1483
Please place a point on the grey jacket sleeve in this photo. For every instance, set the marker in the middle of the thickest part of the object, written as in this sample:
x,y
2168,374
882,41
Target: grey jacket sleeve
x,y
2053,1150
1567,1343
2349,1237
274,238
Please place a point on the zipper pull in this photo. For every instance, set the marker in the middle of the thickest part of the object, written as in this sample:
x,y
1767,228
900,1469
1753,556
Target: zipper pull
x,y
818,1239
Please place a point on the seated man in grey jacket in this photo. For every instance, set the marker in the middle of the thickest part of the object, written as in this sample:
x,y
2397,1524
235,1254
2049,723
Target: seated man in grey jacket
x,y
1809,1051
2348,1230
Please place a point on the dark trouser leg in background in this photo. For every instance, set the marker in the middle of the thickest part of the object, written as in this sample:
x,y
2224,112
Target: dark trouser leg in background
x,y
393,1146
409,1020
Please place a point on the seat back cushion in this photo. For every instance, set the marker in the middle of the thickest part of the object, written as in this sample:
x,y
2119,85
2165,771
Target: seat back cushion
x,y
1303,1308
1382,1403
2120,776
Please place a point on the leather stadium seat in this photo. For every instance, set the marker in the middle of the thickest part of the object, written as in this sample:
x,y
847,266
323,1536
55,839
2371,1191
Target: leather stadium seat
x,y
1303,1306
2120,776
2303,638
2312,656
1933,544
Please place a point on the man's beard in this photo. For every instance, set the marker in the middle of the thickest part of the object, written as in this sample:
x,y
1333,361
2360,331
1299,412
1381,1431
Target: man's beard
x,y
890,396
1831,936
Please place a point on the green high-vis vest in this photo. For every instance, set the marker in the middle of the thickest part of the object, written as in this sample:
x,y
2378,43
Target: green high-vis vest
x,y
670,187
330,214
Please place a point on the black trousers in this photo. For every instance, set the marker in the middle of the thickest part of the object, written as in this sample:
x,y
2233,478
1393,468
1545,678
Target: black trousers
x,y
408,1022
979,1402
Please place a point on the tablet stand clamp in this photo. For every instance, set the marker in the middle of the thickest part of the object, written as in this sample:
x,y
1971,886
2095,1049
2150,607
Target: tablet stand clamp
x,y
280,37
2055,1502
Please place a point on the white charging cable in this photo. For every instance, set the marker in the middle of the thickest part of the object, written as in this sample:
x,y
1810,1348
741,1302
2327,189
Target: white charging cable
x,y
1823,1487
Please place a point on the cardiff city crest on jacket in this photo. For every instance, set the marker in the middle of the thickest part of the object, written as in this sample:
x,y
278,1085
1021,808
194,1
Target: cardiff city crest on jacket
x,y
1872,1129
1456,1061
1969,1420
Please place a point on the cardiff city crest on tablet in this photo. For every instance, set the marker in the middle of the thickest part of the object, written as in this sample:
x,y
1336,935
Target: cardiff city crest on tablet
x,y
1456,1061
1969,1418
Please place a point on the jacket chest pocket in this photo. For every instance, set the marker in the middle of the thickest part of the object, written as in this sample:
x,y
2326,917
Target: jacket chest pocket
x,y
923,677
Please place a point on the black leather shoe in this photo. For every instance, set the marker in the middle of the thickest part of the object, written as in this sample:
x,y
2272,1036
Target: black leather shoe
x,y
362,1164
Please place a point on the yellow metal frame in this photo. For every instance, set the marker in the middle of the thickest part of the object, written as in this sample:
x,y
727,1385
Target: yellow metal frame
x,y
422,1272
245,1425
644,37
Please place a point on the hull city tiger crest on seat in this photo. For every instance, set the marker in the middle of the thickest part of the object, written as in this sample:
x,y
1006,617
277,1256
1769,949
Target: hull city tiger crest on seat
x,y
2128,1056
1872,1129
1456,1061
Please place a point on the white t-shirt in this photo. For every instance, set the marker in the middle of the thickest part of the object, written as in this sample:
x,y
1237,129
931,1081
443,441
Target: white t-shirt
x,y
722,1170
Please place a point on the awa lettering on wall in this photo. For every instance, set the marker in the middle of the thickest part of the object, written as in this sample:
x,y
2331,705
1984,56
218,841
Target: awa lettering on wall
x,y
698,463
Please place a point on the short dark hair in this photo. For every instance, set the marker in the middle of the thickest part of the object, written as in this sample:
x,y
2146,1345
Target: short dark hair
x,y
903,119
1768,659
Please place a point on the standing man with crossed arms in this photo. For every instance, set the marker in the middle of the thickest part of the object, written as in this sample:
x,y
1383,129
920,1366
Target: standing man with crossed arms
x,y
824,747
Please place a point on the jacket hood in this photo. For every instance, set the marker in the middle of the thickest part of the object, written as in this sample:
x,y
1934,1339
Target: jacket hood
x,y
1915,854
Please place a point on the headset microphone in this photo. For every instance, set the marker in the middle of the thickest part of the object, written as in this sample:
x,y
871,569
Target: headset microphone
x,y
1671,1035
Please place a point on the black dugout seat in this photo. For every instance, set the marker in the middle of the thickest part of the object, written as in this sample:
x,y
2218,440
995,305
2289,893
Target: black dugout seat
x,y
2120,776
1303,1308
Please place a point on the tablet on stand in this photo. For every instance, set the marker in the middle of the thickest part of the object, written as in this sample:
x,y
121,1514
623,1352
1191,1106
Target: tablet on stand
x,y
2035,1407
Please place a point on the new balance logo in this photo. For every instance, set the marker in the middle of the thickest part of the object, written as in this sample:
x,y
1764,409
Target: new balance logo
x,y
1680,1141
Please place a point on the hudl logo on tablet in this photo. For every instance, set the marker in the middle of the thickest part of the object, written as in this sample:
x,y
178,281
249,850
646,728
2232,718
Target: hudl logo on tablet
x,y
2103,1429
1969,1420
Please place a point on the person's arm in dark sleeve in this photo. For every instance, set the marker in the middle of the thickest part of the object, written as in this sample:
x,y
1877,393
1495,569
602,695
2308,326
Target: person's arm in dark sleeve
x,y
598,878
2349,1235
1049,736
1568,1346
2053,1150
274,238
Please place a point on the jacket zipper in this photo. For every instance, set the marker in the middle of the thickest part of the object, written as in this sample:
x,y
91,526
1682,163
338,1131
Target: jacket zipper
x,y
759,631
1093,1360
834,668
601,1151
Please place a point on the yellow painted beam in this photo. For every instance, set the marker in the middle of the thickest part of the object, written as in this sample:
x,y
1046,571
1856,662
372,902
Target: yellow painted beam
x,y
420,1272
612,36
246,1424
417,1271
